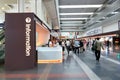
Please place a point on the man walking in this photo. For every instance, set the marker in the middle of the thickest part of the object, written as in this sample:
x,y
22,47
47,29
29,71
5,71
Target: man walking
x,y
68,44
76,45
98,45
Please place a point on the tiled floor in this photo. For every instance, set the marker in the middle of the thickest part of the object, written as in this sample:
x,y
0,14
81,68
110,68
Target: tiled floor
x,y
68,70
107,69
81,66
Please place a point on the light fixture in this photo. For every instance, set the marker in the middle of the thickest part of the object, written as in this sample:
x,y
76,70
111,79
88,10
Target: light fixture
x,y
1,27
76,13
73,18
98,21
3,8
72,22
103,17
68,27
81,6
114,12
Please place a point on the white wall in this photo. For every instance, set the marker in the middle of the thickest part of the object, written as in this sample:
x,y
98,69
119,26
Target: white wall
x,y
110,27
2,18
42,13
39,11
30,7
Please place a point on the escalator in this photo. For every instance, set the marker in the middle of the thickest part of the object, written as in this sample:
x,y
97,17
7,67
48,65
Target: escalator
x,y
2,46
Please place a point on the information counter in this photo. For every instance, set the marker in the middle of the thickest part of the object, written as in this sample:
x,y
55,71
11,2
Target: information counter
x,y
49,54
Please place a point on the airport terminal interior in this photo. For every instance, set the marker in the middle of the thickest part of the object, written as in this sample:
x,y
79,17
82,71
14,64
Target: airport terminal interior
x,y
59,39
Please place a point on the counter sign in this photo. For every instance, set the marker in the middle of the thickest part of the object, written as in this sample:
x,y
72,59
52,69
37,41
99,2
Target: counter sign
x,y
27,37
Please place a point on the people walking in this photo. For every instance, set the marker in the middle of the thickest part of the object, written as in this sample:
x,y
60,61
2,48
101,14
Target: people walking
x,y
81,46
50,43
108,45
98,45
68,44
76,45
63,46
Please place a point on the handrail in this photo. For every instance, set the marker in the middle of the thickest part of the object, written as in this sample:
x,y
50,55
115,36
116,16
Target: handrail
x,y
1,32
1,36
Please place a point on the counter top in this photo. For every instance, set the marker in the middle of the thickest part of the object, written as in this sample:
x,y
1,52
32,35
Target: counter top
x,y
49,54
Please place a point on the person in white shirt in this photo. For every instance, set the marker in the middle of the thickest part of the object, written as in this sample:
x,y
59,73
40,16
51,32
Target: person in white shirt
x,y
77,46
56,44
68,44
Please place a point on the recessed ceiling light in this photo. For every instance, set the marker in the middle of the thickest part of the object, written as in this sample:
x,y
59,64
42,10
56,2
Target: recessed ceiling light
x,y
80,6
69,27
72,18
72,22
3,8
103,17
114,12
98,21
76,13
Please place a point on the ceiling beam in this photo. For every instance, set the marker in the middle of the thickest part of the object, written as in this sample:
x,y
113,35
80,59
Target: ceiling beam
x,y
57,10
109,9
111,20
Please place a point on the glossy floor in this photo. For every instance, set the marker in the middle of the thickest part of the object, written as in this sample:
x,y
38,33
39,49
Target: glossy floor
x,y
82,66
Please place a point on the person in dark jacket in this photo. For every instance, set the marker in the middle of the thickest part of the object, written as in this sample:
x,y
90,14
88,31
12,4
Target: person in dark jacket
x,y
81,46
108,45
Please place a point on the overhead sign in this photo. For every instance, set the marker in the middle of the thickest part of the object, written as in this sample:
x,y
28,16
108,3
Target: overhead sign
x,y
94,31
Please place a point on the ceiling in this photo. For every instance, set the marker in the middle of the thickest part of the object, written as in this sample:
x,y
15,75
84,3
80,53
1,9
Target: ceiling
x,y
77,21
76,18
7,5
51,8
81,15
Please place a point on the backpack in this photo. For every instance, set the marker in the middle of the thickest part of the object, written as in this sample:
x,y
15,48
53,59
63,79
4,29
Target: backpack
x,y
94,47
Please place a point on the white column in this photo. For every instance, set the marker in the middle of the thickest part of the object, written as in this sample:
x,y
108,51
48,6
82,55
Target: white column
x,y
33,6
20,5
39,9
